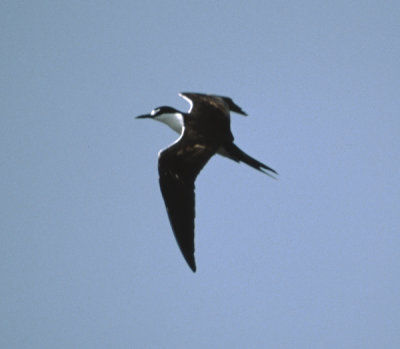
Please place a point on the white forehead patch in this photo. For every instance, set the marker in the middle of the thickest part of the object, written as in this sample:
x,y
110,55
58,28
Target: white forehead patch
x,y
154,111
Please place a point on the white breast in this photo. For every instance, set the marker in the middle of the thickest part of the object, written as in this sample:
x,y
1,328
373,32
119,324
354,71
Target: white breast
x,y
175,121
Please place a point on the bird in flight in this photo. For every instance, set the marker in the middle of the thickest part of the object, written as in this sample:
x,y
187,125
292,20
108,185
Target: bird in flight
x,y
204,131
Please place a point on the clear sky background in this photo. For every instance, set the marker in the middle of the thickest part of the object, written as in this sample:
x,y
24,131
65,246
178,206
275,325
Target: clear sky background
x,y
87,256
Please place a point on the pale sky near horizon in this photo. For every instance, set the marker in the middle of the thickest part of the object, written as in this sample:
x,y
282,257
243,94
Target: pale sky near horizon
x,y
87,256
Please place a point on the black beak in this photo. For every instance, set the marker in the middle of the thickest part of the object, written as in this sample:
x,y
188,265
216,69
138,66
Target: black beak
x,y
145,116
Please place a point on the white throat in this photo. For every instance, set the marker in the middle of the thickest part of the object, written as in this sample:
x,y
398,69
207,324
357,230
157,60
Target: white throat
x,y
173,120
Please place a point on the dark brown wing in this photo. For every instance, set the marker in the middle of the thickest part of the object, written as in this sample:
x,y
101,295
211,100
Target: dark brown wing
x,y
178,167
209,118
232,105
209,114
199,101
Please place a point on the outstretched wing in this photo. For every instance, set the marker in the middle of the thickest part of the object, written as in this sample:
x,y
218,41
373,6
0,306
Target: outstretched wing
x,y
178,167
200,101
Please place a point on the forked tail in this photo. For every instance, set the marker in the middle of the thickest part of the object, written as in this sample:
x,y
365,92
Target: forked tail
x,y
235,153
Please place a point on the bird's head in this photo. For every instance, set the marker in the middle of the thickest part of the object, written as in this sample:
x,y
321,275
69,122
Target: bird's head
x,y
168,115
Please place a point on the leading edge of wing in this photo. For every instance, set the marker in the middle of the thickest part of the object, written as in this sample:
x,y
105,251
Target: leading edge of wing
x,y
194,98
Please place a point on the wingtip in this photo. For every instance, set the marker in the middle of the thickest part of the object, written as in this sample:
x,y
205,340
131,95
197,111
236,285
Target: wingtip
x,y
242,112
191,263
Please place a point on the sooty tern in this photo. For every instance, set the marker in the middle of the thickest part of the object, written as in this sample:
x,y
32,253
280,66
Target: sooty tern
x,y
204,131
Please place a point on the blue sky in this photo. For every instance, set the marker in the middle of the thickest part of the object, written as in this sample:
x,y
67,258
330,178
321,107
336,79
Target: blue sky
x,y
88,259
